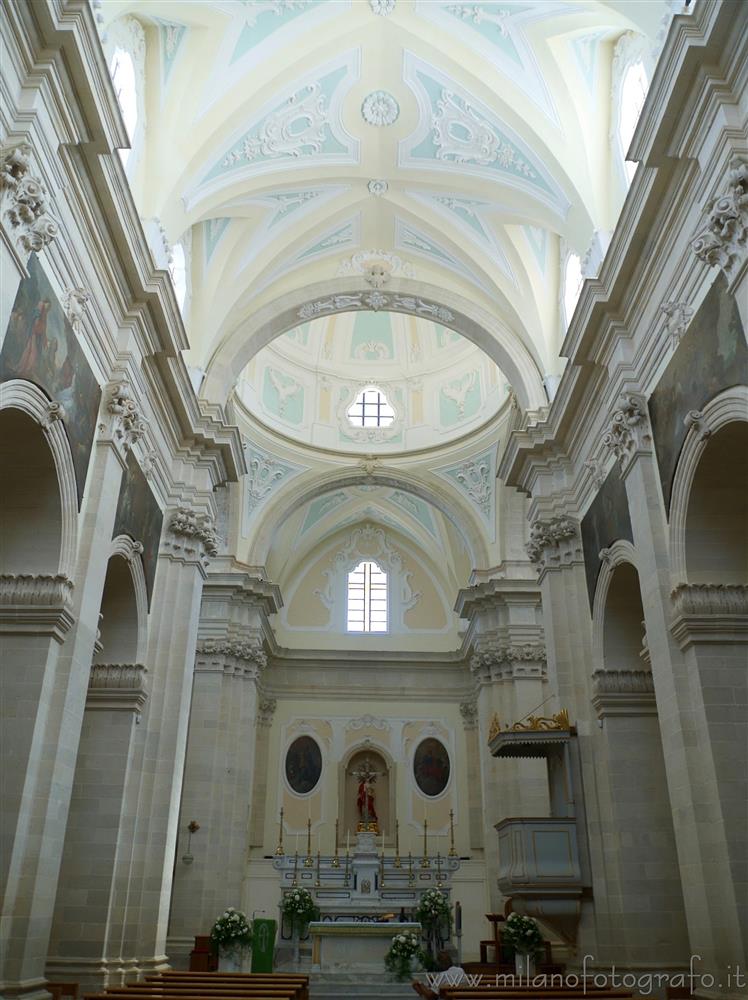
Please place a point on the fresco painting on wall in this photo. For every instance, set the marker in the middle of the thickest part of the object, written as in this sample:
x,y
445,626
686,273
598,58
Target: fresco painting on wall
x,y
606,521
41,347
139,516
303,764
431,766
711,357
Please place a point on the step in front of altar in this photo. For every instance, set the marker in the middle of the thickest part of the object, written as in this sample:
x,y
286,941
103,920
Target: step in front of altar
x,y
350,986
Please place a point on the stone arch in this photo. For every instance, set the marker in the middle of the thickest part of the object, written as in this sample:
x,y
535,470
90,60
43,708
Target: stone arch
x,y
708,509
503,345
373,748
612,608
465,524
128,583
39,481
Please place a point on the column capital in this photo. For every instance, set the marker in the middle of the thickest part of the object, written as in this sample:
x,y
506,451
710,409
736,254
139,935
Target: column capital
x,y
554,543
243,656
123,423
469,713
24,202
190,537
709,612
623,692
493,662
117,686
265,711
723,240
630,433
36,603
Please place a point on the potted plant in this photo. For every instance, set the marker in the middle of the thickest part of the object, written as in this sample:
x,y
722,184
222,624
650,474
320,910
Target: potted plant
x,y
435,917
403,950
231,936
299,907
523,935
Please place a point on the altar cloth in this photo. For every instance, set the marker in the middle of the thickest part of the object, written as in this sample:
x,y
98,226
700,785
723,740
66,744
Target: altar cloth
x,y
352,944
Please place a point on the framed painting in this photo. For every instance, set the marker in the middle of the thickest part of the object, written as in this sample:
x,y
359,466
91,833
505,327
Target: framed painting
x,y
303,764
431,766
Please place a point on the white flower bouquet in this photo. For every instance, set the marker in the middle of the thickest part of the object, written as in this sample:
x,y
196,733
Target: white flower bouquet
x,y
398,959
433,910
299,906
522,934
231,932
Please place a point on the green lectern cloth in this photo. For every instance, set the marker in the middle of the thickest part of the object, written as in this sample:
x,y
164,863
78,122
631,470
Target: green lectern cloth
x,y
263,944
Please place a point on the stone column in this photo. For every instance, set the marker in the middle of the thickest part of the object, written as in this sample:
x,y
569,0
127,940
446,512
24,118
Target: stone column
x,y
86,939
187,541
220,767
508,664
690,706
49,631
265,712
469,713
649,901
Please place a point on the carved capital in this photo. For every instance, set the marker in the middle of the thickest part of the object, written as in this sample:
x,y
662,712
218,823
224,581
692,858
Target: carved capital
x,y
127,425
623,692
497,662
24,201
191,536
710,613
554,543
678,316
266,711
117,686
723,241
630,433
233,655
469,713
36,604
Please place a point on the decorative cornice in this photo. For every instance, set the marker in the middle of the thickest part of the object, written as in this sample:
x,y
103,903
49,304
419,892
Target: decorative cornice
x,y
376,300
710,613
723,242
554,543
509,662
367,722
246,654
630,433
623,692
24,201
117,686
191,534
40,591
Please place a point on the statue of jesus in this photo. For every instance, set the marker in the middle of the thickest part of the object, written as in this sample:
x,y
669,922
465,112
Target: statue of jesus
x,y
365,801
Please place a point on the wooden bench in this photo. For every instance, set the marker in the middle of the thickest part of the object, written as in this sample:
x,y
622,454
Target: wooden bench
x,y
60,990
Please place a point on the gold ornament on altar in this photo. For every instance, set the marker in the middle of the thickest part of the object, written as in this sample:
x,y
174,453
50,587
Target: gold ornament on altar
x,y
532,724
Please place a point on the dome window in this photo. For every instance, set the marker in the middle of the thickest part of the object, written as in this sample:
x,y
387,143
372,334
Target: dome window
x,y
367,598
371,409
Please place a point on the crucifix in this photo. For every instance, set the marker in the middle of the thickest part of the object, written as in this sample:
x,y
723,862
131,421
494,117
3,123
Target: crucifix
x,y
366,777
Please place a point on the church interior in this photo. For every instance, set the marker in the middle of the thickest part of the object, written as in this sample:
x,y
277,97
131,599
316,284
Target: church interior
x,y
374,506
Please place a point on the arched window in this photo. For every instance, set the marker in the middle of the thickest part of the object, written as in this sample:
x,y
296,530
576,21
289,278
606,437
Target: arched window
x,y
367,598
122,71
371,409
572,285
178,272
634,87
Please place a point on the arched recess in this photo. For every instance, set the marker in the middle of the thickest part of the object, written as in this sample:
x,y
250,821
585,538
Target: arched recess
x,y
709,505
617,612
39,496
466,525
504,346
385,801
124,605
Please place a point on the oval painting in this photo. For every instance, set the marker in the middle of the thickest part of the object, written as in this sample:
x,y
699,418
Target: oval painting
x,y
303,764
431,766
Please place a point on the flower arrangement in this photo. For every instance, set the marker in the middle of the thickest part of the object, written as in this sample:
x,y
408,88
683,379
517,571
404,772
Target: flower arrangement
x,y
398,958
433,910
522,934
231,932
299,906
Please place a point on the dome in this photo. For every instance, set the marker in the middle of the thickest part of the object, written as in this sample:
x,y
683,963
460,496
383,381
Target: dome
x,y
433,384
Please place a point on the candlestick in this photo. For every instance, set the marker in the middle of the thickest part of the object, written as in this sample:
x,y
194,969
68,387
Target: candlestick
x,y
348,841
294,883
439,882
317,882
411,876
279,848
397,843
425,863
335,859
297,843
381,871
452,851
347,877
308,861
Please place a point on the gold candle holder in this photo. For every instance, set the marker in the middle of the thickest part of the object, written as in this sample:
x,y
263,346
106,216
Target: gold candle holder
x,y
381,870
336,859
347,876
425,863
411,876
397,844
295,881
279,849
439,882
317,882
452,851
308,860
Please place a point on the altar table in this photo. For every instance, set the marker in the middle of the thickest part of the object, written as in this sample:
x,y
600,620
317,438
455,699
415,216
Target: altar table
x,y
350,944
